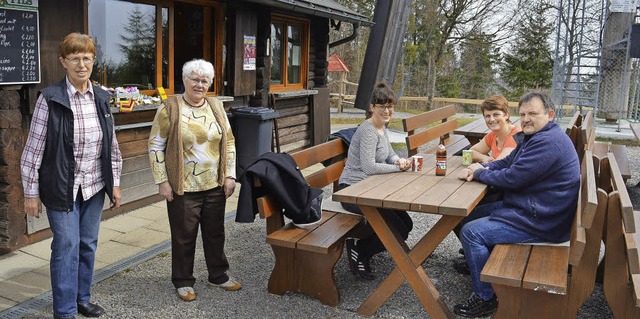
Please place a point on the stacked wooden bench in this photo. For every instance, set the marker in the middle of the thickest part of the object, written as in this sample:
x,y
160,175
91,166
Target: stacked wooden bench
x,y
581,130
552,281
305,257
437,123
622,266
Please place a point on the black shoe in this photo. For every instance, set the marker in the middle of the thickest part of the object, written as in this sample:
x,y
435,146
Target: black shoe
x,y
90,310
462,267
461,251
358,267
476,307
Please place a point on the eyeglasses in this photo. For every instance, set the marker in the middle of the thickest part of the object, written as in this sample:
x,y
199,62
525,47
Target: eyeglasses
x,y
385,107
496,115
85,60
198,81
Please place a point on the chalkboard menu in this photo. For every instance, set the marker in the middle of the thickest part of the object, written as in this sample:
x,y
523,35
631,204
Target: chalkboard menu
x,y
19,42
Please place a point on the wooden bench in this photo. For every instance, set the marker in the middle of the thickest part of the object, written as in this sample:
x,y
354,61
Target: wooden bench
x,y
437,124
635,128
305,257
622,267
581,130
552,281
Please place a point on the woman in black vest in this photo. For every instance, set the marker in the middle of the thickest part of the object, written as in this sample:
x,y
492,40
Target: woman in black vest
x,y
70,161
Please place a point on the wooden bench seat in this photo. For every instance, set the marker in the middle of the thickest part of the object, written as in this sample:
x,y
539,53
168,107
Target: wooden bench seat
x,y
621,279
305,257
437,124
552,281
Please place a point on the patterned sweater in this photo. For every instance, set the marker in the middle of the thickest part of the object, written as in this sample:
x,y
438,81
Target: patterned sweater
x,y
194,153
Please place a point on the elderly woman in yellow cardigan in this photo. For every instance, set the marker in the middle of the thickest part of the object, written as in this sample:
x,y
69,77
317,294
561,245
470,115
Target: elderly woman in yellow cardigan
x,y
192,154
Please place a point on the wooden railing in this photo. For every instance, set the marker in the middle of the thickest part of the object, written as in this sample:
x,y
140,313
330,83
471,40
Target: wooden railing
x,y
406,100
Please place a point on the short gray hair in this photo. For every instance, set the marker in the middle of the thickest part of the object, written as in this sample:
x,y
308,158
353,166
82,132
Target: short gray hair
x,y
199,67
544,97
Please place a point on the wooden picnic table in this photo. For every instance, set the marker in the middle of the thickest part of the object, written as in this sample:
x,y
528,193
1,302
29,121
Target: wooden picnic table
x,y
476,130
635,127
420,192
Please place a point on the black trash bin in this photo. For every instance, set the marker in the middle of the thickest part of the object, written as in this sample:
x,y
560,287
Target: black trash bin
x,y
252,128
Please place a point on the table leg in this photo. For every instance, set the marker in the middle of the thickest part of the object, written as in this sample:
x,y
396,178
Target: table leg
x,y
406,265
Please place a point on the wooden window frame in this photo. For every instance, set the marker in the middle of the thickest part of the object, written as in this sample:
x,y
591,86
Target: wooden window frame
x,y
217,43
304,65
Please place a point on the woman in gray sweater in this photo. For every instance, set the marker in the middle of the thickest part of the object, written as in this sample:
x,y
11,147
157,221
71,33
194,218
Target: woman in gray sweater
x,y
370,153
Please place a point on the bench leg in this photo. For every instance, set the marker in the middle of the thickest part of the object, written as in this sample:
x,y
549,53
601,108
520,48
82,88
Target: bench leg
x,y
542,305
521,303
315,275
508,301
307,272
282,276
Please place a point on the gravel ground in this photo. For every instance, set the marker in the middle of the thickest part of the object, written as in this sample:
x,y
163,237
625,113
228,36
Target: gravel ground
x,y
145,290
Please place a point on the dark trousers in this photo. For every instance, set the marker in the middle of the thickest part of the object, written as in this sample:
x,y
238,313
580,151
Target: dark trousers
x,y
398,219
186,213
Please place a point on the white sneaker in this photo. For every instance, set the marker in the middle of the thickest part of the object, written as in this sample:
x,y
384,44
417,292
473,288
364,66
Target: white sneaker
x,y
187,293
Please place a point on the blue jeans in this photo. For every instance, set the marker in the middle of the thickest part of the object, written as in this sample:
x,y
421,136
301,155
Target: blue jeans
x,y
73,250
479,235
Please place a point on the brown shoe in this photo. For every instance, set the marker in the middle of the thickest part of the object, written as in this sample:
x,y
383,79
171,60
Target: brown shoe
x,y
187,293
229,285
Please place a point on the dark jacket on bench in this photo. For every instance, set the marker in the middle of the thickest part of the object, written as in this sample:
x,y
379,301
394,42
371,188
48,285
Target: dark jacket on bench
x,y
540,180
280,177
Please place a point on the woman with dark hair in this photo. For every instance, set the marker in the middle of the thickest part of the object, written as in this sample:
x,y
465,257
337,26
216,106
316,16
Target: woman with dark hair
x,y
370,153
71,160
499,142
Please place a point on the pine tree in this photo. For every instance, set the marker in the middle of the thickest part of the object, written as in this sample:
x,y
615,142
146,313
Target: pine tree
x,y
477,59
530,65
138,46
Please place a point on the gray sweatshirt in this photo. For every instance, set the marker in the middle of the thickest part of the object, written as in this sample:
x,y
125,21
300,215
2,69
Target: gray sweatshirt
x,y
369,153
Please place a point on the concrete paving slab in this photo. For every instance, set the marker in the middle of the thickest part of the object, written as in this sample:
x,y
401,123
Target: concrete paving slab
x,y
41,249
160,225
161,204
111,252
17,263
25,286
143,238
149,213
6,304
99,265
124,223
44,270
107,234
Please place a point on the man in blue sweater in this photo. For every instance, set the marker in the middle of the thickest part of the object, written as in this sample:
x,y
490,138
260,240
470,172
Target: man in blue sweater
x,y
540,180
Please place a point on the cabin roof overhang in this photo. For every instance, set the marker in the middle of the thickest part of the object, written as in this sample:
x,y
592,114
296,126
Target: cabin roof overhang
x,y
320,8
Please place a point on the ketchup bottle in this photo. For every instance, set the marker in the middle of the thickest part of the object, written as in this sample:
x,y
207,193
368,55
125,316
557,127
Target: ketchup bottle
x,y
441,159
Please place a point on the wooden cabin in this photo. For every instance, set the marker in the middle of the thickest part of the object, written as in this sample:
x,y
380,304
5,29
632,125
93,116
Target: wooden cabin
x,y
266,53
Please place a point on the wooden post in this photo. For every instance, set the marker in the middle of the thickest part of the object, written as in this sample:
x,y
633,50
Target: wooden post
x,y
342,89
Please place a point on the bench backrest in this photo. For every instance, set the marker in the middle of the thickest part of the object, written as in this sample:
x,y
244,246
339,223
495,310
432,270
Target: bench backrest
x,y
333,152
442,126
622,268
581,131
585,212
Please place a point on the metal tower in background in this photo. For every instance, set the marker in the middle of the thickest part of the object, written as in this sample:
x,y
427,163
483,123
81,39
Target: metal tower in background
x,y
593,66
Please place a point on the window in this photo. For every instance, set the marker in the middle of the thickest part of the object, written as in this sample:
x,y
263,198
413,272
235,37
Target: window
x,y
125,35
143,44
289,57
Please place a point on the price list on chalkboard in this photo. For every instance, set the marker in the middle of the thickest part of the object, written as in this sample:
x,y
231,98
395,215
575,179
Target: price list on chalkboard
x,y
19,44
